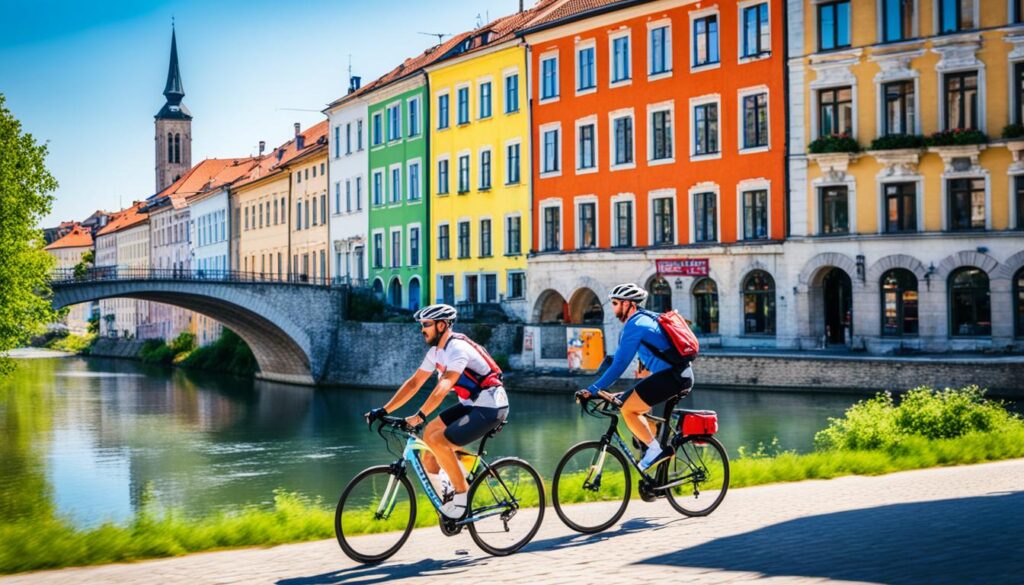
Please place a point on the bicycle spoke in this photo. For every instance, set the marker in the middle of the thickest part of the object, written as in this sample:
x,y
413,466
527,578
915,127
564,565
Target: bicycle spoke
x,y
591,473
375,503
506,507
698,476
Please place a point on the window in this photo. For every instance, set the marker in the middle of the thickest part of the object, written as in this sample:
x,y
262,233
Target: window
x,y
620,59
664,222
511,93
463,239
377,130
337,140
624,224
970,305
1017,85
897,20
551,157
464,173
298,176
414,246
396,248
705,122
359,134
661,135
513,235
704,217
485,238
394,122
759,304
835,210
955,15
307,214
337,201
490,285
1018,304
587,231
755,120
705,41
660,51
447,289
442,112
586,155
898,108
443,246
414,117
485,99
585,69
549,78
757,39
552,228
396,185
834,25
359,193
512,164
378,188
323,209
442,176
516,285
463,105
705,307
298,216
378,250
835,111
962,100
1018,188
485,169
900,207
966,204
414,181
899,303
755,215
622,131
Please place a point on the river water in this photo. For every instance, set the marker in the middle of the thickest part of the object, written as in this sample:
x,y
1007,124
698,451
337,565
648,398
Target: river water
x,y
90,438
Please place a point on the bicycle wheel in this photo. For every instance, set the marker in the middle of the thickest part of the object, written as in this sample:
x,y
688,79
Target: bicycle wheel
x,y
375,515
594,474
508,499
699,476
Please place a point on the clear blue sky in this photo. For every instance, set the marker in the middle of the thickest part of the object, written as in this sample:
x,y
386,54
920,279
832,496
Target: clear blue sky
x,y
87,77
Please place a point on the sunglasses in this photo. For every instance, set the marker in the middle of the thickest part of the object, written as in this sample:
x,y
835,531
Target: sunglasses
x,y
426,325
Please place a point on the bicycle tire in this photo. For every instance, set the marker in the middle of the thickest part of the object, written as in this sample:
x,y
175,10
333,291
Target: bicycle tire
x,y
339,532
556,482
478,481
724,457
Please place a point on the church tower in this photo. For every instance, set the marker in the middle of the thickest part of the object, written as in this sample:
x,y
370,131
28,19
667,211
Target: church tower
x,y
173,128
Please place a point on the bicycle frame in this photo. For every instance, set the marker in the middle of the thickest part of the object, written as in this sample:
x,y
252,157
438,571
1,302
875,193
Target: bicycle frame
x,y
661,474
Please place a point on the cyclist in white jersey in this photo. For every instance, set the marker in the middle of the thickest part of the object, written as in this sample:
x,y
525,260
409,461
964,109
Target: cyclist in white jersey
x,y
467,369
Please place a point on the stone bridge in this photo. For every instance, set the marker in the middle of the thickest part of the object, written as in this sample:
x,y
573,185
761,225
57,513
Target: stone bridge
x,y
289,325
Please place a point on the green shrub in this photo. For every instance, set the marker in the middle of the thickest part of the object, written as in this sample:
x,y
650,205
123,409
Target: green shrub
x,y
228,354
364,305
502,360
184,342
481,333
957,137
897,141
1012,131
155,351
73,343
833,143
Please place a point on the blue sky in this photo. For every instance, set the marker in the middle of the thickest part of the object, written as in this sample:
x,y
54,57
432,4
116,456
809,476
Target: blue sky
x,y
87,77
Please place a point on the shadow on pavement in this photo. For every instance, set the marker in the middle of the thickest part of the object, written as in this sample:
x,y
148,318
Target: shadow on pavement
x,y
382,573
969,540
576,539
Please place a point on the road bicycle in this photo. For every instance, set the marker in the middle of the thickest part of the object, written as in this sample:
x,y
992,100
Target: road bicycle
x,y
505,500
693,474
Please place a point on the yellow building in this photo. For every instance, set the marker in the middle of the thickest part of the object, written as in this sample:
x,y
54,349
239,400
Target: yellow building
x,y
480,173
309,237
913,241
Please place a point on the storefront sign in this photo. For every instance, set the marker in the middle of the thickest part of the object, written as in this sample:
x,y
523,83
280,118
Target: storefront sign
x,y
683,267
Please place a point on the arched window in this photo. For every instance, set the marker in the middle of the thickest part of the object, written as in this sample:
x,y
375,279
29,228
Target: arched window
x,y
414,294
1018,303
660,299
395,293
759,304
378,288
705,307
170,147
177,148
899,303
970,305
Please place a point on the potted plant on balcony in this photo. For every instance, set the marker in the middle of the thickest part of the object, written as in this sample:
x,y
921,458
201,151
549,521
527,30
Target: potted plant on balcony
x,y
957,137
1014,136
899,153
834,152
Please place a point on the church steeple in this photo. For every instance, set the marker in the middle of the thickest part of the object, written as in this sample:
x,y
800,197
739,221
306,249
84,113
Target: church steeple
x,y
174,90
173,127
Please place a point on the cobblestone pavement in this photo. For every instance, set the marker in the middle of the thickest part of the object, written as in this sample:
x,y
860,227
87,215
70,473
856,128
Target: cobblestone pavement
x,y
953,525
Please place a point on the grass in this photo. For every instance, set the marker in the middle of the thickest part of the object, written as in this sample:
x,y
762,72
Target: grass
x,y
876,436
73,343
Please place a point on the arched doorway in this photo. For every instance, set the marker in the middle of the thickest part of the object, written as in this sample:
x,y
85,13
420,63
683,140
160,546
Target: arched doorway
x,y
585,307
838,296
378,288
660,291
970,303
414,294
899,303
758,301
550,308
705,307
395,292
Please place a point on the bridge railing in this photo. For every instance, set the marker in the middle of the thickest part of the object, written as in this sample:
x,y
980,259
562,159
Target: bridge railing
x,y
118,273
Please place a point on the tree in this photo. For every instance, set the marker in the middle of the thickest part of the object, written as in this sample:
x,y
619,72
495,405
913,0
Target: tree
x,y
26,194
87,262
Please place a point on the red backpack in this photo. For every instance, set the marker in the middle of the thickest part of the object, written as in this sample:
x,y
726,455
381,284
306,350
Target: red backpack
x,y
679,334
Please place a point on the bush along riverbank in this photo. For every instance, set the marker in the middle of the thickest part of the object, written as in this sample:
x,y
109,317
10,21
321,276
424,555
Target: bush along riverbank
x,y
925,428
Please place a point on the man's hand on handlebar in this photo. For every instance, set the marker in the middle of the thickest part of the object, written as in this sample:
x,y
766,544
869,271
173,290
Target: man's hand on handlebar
x,y
612,398
374,414
583,395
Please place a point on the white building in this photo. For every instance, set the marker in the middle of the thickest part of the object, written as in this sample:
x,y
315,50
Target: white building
x,y
169,242
348,160
68,251
208,247
123,246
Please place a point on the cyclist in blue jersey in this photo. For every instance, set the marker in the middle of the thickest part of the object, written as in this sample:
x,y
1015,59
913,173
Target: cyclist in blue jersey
x,y
670,376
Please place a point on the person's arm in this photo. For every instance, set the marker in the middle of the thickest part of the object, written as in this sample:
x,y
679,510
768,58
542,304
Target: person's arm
x,y
407,391
444,386
628,344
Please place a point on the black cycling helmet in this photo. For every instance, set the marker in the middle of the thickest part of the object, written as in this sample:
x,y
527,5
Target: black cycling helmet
x,y
439,312
628,292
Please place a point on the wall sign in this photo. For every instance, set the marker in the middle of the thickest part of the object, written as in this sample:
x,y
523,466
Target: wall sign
x,y
683,267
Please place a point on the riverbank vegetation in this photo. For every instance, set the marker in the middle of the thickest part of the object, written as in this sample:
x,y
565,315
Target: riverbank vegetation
x,y
924,428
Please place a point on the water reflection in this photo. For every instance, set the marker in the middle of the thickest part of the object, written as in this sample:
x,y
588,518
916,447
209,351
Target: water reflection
x,y
87,438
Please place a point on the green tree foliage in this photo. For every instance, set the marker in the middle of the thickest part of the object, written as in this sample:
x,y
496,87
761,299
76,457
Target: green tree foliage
x,y
82,268
26,194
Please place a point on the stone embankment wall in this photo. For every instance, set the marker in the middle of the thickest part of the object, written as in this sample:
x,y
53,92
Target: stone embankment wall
x,y
116,348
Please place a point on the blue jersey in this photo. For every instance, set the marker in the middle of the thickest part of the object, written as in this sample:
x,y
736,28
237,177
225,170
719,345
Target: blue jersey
x,y
640,330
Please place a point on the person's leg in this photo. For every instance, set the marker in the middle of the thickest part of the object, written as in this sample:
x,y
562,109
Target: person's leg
x,y
633,410
444,452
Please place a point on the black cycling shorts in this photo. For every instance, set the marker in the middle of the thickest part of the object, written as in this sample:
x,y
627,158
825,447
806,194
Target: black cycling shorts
x,y
465,424
658,388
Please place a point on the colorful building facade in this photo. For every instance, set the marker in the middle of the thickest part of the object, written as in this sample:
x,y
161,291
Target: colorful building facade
x,y
309,239
68,251
348,168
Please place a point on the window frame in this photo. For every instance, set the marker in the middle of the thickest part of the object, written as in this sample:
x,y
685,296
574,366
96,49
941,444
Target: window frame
x,y
414,128
836,46
545,205
580,124
613,38
668,107
762,52
578,203
613,117
485,82
543,97
666,25
702,102
705,16
743,95
543,131
443,112
977,119
581,46
653,198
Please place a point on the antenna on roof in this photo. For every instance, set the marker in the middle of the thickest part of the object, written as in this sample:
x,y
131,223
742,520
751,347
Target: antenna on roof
x,y
440,36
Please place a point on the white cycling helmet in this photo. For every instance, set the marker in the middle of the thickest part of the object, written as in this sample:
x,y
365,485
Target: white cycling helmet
x,y
439,312
628,292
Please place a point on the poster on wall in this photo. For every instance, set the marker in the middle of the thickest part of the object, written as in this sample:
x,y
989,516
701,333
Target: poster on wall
x,y
584,348
682,266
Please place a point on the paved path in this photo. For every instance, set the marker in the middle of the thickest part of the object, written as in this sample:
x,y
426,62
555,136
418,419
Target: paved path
x,y
955,525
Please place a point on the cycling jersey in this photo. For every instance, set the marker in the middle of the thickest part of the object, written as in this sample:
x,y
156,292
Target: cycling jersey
x,y
640,334
479,382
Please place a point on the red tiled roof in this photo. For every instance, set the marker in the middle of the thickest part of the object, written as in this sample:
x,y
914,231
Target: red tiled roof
x,y
574,8
270,164
78,237
125,219
212,173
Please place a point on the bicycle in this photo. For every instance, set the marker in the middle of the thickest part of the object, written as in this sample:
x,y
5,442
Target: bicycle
x,y
381,500
693,475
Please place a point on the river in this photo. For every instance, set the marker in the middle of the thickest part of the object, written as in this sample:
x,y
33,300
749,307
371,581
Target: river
x,y
90,438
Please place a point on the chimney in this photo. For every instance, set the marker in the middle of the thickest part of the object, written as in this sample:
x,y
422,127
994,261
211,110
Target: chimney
x,y
280,153
298,128
520,5
354,82
263,146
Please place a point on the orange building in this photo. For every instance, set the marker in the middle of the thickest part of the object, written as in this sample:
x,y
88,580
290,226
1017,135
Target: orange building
x,y
659,134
